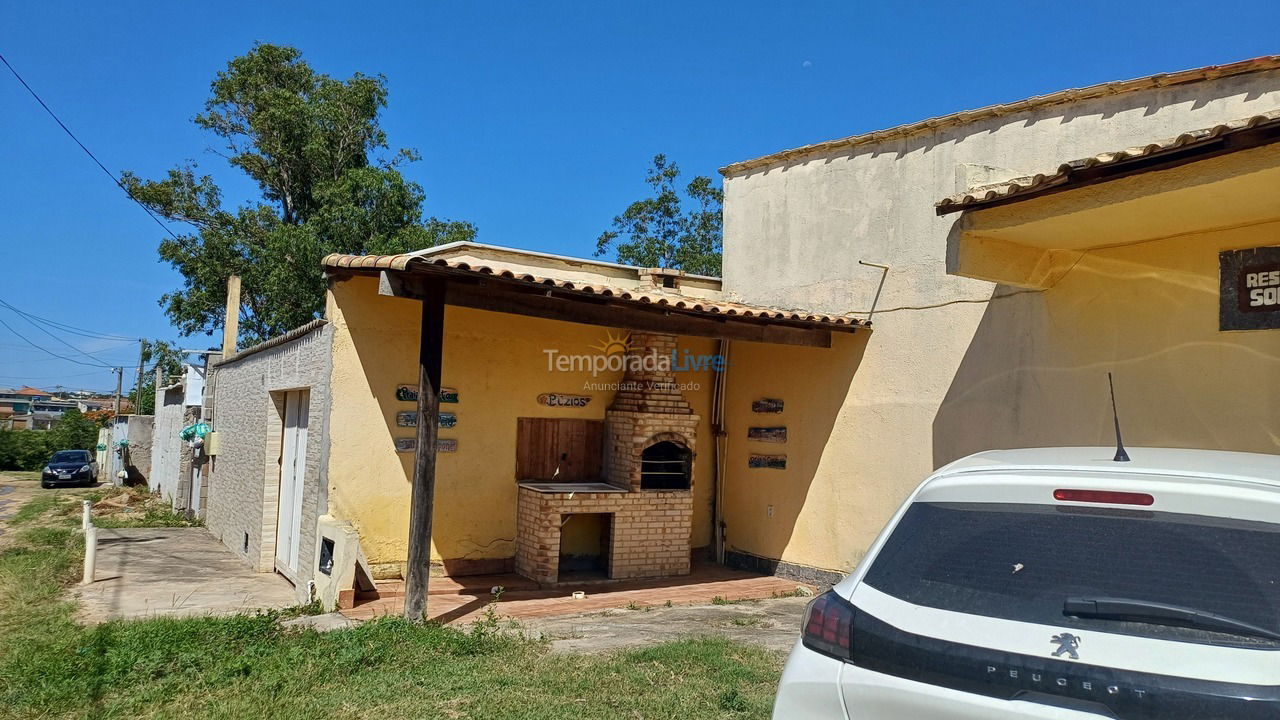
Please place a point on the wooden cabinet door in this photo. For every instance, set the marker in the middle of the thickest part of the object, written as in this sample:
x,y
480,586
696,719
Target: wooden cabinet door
x,y
558,450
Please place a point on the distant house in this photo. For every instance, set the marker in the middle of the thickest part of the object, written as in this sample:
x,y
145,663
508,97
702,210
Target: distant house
x,y
16,407
35,409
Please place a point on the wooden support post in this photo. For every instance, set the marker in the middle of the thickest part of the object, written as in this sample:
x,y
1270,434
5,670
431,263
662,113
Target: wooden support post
x,y
430,345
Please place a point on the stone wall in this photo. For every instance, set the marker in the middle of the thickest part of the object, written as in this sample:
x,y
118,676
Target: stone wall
x,y
244,481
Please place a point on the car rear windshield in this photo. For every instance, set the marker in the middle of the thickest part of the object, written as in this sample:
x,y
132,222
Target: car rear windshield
x,y
70,456
1020,562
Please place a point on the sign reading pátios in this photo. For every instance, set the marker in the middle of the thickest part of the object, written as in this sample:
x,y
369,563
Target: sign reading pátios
x,y
1250,289
561,400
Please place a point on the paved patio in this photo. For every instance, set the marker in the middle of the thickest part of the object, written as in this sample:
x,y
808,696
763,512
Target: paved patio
x,y
150,572
463,599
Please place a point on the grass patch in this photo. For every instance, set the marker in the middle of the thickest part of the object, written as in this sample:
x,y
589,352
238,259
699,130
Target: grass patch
x,y
36,508
21,474
250,666
113,507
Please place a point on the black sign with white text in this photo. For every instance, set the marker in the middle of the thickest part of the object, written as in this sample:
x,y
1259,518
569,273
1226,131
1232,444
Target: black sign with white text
x,y
1250,289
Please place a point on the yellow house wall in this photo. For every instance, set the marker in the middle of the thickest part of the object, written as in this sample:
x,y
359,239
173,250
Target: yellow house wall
x,y
798,513
1033,375
1035,372
496,363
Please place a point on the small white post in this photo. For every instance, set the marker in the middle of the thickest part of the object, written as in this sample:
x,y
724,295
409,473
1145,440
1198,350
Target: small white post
x,y
85,517
90,553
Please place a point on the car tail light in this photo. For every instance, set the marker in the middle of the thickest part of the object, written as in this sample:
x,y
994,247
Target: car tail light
x,y
828,626
1104,496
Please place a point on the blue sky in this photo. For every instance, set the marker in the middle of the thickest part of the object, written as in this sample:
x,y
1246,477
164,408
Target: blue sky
x,y
535,120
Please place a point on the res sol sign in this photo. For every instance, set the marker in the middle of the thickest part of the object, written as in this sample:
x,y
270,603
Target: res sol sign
x,y
1250,289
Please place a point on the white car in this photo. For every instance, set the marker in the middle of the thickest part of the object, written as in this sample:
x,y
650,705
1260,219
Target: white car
x,y
1058,583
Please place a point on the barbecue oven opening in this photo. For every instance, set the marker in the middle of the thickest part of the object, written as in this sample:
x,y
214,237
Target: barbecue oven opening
x,y
665,466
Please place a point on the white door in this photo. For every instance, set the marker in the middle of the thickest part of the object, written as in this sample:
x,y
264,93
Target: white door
x,y
293,461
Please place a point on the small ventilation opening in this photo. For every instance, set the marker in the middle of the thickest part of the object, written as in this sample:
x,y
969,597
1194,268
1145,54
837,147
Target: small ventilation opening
x,y
326,556
246,543
665,466
669,281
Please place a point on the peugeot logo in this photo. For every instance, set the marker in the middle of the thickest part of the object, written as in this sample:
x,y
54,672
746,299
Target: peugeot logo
x,y
1067,644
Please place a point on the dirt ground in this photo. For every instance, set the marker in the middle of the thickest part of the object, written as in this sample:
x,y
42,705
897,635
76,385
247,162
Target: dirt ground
x,y
17,489
772,623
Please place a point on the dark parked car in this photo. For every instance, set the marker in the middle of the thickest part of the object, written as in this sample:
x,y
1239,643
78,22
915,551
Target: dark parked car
x,y
70,467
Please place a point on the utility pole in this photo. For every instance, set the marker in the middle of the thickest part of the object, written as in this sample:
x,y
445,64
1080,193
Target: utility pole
x,y
119,381
137,395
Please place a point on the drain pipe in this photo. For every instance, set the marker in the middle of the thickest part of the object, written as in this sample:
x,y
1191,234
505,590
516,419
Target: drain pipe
x,y
718,448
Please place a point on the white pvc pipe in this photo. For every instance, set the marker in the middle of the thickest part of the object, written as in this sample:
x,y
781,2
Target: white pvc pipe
x,y
85,517
90,553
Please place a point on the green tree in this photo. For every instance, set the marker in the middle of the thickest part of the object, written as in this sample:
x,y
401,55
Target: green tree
x,y
668,231
25,449
155,353
73,431
310,142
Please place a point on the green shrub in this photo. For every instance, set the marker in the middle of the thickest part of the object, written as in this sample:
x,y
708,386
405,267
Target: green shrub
x,y
24,449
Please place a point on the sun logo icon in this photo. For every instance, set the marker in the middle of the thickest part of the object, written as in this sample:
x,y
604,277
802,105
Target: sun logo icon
x,y
614,344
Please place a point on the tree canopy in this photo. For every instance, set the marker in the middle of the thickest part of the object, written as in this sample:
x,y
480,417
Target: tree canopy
x,y
314,147
665,230
155,354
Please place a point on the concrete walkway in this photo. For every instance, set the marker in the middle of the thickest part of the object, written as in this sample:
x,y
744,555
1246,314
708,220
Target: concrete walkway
x,y
149,572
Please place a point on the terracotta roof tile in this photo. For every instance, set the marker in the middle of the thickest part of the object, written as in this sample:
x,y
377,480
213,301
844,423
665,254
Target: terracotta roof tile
x,y
683,303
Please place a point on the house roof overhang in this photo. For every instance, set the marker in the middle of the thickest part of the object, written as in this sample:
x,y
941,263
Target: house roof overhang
x,y
1026,232
502,290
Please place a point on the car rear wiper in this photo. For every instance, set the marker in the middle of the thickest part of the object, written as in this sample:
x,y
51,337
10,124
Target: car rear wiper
x,y
1112,608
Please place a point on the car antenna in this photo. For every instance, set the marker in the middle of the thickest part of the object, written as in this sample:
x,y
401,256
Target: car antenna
x,y
1121,455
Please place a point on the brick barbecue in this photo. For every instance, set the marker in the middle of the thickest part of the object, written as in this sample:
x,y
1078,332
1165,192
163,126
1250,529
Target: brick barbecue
x,y
649,441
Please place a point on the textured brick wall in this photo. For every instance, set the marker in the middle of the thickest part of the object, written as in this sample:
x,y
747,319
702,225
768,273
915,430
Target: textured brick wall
x,y
649,534
243,485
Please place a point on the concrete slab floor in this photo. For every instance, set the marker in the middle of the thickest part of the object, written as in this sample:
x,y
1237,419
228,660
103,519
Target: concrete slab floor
x,y
150,572
773,623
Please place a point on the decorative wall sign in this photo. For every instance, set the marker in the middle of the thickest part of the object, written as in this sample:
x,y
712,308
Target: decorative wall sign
x,y
409,418
410,444
766,405
409,393
562,400
1249,294
772,462
767,434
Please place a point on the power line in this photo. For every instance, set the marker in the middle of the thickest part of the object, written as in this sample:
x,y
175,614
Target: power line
x,y
53,377
69,328
50,352
42,329
86,150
